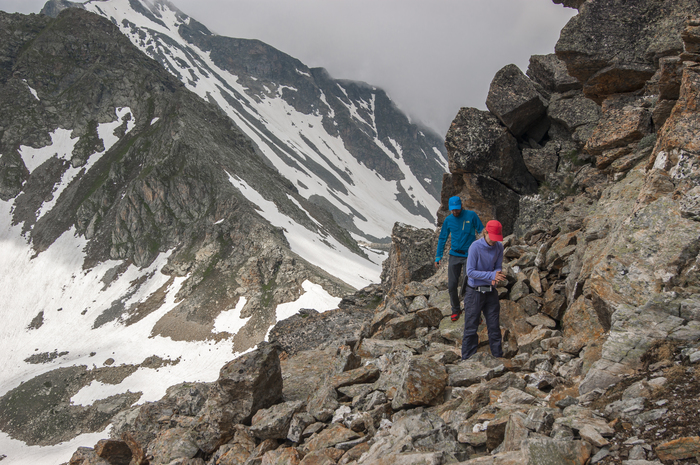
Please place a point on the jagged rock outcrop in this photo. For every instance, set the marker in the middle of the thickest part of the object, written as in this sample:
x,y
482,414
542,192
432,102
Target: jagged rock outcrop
x,y
411,257
487,168
609,59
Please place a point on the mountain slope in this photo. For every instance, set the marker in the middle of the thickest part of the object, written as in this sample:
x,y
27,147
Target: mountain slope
x,y
152,228
131,258
340,142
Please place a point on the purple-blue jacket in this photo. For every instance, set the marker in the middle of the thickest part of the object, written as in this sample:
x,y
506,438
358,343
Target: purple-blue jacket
x,y
483,262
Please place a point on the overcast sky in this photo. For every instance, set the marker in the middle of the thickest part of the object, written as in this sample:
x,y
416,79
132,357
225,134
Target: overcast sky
x,y
431,56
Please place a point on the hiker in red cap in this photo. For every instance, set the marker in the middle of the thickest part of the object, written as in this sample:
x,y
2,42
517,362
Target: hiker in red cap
x,y
462,226
484,272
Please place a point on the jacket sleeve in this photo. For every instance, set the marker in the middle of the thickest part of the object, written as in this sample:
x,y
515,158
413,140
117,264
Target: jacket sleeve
x,y
499,258
478,225
444,232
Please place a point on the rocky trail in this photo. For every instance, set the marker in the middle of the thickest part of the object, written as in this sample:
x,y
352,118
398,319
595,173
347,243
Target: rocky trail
x,y
388,386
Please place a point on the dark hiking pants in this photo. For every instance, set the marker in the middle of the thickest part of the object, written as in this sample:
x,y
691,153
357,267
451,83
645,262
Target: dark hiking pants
x,y
475,303
455,267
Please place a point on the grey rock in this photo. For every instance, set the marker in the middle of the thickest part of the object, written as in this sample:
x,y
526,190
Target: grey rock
x,y
476,140
300,421
375,348
309,330
419,302
468,372
515,100
323,403
519,290
274,422
550,72
171,444
441,300
356,390
573,110
585,44
542,380
541,419
402,327
546,450
540,162
516,396
420,381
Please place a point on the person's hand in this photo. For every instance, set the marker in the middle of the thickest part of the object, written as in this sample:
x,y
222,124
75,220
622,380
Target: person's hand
x,y
500,276
437,264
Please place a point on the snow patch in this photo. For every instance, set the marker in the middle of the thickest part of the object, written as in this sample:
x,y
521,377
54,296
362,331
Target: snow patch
x,y
106,132
314,297
230,321
62,145
36,96
324,252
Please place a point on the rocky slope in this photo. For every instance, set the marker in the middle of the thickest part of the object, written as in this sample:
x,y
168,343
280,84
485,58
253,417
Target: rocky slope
x,y
599,314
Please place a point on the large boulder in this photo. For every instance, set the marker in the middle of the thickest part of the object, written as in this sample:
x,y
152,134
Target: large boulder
x,y
514,99
245,385
478,143
411,258
611,59
252,381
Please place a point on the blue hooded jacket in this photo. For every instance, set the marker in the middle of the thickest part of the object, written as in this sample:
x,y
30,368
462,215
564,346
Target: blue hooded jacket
x,y
463,229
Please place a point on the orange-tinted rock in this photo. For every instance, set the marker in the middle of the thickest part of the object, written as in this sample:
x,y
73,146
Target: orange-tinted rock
x,y
681,128
581,323
513,317
287,456
622,123
679,449
335,434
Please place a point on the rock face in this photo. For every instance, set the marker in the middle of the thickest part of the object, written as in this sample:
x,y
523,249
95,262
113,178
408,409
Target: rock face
x,y
609,59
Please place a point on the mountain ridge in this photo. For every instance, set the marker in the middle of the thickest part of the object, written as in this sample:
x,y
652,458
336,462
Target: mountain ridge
x,y
153,227
240,94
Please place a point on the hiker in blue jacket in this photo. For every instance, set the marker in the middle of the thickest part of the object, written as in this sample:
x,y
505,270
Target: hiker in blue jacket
x,y
463,226
484,272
